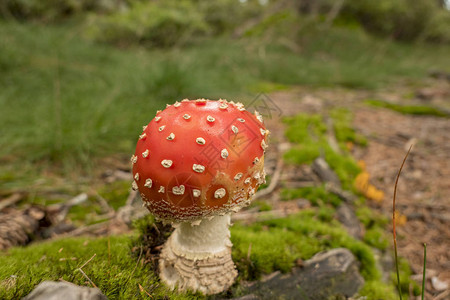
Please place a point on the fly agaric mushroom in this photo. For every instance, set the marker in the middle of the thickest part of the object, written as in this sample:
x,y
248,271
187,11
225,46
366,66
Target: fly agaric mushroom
x,y
195,163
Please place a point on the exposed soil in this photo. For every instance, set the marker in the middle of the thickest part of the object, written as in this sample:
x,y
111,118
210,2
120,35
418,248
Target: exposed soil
x,y
423,189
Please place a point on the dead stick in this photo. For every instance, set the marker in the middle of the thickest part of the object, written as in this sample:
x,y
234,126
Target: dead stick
x,y
88,260
143,290
85,276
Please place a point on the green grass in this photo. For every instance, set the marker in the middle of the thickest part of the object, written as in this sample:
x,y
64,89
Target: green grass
x,y
420,110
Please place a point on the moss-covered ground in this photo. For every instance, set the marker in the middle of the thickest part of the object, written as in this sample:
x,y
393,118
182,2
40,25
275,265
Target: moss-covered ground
x,y
422,110
259,248
113,269
308,135
274,245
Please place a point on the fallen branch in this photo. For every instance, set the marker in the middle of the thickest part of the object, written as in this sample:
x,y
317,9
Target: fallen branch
x,y
103,203
60,211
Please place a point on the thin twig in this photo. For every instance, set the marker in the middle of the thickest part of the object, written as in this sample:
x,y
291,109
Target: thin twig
x,y
143,290
85,276
88,261
393,223
103,203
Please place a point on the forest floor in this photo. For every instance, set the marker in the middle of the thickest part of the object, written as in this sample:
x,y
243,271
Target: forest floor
x,y
422,199
423,191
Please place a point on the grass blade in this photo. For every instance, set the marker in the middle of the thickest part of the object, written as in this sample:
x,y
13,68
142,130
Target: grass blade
x,y
424,269
393,223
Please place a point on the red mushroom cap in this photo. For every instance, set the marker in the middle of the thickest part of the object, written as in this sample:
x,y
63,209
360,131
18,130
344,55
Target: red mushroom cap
x,y
199,158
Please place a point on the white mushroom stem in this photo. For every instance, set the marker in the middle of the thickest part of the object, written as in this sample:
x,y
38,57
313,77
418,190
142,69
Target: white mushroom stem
x,y
198,257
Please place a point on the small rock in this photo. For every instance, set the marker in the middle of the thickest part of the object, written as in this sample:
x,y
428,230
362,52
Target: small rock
x,y
346,215
51,290
438,284
327,274
321,168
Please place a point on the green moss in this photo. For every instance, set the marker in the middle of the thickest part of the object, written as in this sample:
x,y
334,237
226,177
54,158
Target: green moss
x,y
315,194
375,290
377,238
344,165
325,213
302,154
375,224
116,193
260,248
116,273
371,218
303,129
409,109
261,205
85,213
343,130
309,134
407,284
298,236
39,200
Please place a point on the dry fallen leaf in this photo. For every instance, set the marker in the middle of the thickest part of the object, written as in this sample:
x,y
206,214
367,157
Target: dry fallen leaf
x,y
363,185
